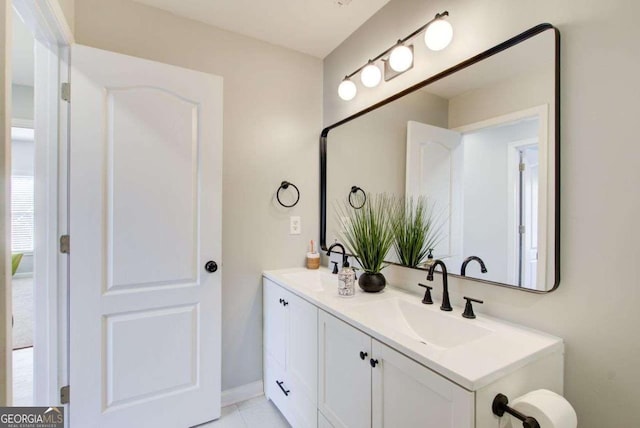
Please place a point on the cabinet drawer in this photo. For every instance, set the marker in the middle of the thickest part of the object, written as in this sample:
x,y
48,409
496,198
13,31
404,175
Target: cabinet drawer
x,y
273,375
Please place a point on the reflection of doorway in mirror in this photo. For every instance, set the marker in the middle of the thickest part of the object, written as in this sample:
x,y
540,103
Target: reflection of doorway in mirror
x,y
500,188
529,216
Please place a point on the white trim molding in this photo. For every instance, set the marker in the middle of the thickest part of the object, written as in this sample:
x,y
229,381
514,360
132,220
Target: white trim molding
x,y
46,20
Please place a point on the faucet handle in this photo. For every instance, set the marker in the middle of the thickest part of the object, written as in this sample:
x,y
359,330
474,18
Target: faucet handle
x,y
427,294
468,307
335,267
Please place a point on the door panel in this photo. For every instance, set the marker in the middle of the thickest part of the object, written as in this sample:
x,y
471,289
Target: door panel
x,y
143,146
435,163
407,394
344,394
145,217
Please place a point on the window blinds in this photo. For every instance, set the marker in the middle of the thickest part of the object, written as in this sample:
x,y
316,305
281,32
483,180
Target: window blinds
x,y
21,214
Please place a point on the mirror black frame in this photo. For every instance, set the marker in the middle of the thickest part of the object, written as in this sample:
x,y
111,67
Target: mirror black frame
x,y
473,60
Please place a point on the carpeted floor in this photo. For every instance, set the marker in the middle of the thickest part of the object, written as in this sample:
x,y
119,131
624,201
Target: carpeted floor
x,y
22,289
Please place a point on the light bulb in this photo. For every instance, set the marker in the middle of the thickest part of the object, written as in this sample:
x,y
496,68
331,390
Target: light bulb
x,y
370,75
438,35
347,90
401,58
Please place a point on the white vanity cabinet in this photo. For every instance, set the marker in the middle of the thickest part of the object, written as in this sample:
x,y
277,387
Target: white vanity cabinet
x,y
331,362
290,355
364,383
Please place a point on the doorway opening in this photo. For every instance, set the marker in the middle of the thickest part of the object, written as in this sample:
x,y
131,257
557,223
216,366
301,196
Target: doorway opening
x,y
22,211
39,63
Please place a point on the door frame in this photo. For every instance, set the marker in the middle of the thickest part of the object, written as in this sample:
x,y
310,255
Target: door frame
x,y
542,112
514,262
53,37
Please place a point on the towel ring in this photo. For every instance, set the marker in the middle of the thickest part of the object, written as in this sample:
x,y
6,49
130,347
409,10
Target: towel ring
x,y
355,190
285,185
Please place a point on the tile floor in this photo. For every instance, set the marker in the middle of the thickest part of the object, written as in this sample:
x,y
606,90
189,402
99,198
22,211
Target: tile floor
x,y
255,413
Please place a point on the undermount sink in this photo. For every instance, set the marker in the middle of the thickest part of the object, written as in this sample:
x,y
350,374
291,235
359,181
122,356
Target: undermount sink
x,y
425,324
315,280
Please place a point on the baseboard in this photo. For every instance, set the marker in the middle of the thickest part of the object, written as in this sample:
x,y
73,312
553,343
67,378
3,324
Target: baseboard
x,y
242,393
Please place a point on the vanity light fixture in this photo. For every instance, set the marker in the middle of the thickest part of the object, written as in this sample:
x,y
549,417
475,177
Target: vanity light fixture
x,y
371,75
438,34
347,89
401,58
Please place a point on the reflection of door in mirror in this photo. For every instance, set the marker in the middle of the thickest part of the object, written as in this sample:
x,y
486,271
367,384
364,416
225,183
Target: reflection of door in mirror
x,y
528,214
434,169
483,186
501,181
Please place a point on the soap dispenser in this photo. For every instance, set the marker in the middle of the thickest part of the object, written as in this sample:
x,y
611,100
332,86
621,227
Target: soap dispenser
x,y
346,280
430,260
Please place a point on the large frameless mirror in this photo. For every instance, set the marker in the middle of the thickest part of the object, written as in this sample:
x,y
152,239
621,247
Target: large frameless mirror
x,y
480,144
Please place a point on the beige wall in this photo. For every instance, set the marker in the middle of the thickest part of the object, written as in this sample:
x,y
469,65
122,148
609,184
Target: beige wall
x,y
510,96
22,102
68,9
370,152
595,307
272,121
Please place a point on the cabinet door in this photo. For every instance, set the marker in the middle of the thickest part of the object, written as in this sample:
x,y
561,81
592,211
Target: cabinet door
x,y
344,393
275,323
409,395
302,361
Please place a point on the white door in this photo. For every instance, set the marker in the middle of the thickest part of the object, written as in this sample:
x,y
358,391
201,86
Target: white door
x,y
408,395
344,393
435,170
529,207
145,217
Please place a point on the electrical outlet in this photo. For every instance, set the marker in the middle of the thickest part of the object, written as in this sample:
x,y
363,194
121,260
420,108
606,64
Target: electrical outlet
x,y
295,226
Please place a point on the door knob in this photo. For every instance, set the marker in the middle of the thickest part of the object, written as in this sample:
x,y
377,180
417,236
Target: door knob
x,y
373,362
211,266
363,355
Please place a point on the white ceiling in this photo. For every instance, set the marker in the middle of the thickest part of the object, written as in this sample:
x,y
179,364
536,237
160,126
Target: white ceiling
x,y
22,61
314,27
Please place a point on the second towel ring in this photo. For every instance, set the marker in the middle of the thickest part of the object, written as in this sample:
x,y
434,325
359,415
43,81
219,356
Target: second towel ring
x,y
285,185
355,190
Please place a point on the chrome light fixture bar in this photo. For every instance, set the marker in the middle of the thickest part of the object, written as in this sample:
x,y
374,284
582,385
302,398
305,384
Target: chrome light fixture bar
x,y
399,57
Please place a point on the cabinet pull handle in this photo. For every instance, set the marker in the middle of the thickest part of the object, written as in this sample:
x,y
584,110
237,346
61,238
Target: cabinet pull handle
x,y
281,301
363,355
373,362
286,391
285,303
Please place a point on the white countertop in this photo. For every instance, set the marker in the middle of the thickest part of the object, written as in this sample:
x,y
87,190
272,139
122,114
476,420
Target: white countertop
x,y
472,365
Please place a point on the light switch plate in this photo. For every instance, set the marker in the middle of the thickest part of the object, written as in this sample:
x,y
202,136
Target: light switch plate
x,y
295,226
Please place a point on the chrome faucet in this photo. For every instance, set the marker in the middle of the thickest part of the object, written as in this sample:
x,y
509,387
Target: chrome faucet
x,y
446,305
345,258
463,270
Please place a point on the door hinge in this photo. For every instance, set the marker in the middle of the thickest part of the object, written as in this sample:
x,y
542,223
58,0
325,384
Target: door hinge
x,y
522,229
65,244
522,167
65,91
64,395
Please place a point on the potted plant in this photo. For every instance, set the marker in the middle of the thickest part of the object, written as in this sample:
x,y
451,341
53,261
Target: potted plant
x,y
368,235
414,230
